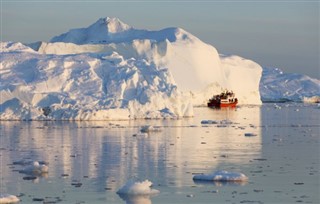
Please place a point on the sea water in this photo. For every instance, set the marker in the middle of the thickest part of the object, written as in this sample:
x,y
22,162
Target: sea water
x,y
275,145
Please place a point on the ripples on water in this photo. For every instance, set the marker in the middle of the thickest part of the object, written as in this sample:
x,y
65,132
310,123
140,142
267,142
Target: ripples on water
x,y
277,148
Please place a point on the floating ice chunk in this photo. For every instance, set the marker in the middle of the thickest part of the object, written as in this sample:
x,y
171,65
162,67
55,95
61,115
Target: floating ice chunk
x,y
222,122
209,122
223,176
35,168
277,106
226,122
138,188
7,198
142,134
313,99
248,134
24,162
277,139
150,128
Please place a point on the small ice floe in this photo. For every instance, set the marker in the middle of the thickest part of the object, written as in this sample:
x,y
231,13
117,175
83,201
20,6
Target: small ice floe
x,y
276,106
222,176
137,188
209,122
226,122
24,162
249,134
7,198
241,127
140,134
222,122
36,169
150,128
277,139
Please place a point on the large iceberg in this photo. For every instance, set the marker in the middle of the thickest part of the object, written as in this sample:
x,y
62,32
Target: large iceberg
x,y
111,70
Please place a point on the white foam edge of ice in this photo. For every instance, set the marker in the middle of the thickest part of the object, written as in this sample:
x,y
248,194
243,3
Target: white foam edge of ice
x,y
136,188
223,176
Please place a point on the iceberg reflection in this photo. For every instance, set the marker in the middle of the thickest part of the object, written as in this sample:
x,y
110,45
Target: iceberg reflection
x,y
109,154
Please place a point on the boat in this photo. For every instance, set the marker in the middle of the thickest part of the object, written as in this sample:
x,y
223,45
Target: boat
x,y
224,99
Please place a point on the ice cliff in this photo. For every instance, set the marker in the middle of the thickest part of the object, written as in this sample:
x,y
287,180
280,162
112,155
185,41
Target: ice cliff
x,y
91,86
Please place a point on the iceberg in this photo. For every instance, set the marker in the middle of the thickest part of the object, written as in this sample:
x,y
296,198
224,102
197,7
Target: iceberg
x,y
138,188
113,71
277,86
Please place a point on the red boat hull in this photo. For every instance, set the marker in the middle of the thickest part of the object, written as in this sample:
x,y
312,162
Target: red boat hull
x,y
213,104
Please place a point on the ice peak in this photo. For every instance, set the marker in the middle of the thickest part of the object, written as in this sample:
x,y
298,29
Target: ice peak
x,y
114,25
112,30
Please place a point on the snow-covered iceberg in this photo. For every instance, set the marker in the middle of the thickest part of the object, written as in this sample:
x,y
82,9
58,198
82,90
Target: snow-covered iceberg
x,y
111,70
276,85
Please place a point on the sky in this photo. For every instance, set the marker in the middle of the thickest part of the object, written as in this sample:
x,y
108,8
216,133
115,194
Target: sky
x,y
283,34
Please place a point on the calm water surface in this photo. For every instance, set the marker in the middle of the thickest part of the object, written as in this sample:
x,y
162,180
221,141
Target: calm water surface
x,y
90,161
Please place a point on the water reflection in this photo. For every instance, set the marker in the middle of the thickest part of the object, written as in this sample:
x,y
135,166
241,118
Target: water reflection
x,y
138,199
105,155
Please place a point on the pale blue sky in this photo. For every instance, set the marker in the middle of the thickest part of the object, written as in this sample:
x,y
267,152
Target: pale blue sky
x,y
282,34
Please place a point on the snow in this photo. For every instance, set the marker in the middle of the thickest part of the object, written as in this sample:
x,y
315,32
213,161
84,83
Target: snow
x,y
223,176
138,188
112,71
7,198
